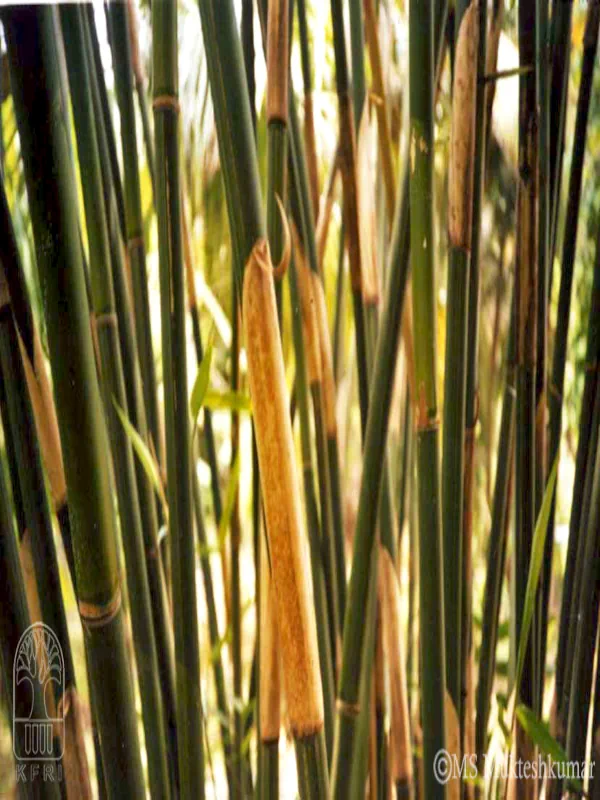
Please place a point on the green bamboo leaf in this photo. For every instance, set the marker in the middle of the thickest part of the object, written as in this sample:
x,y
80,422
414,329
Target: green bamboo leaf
x,y
234,478
540,735
142,451
200,387
537,556
227,401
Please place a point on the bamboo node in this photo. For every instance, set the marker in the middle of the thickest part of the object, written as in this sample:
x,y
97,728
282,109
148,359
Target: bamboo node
x,y
97,615
166,101
281,268
261,254
135,241
109,319
349,709
553,390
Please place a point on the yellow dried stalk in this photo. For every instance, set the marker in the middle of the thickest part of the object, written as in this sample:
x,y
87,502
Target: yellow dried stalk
x,y
366,209
389,600
310,144
349,181
281,495
45,420
77,779
462,137
270,673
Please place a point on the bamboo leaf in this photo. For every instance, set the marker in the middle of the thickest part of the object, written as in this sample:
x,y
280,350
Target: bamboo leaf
x,y
234,478
537,556
142,451
202,380
227,401
540,735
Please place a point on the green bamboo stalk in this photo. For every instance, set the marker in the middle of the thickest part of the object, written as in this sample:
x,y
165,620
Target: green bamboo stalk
x,y
357,55
585,623
279,481
304,349
340,308
241,768
140,88
347,155
354,632
137,416
593,791
462,145
53,203
406,469
385,362
270,698
96,60
247,39
213,631
208,431
121,52
277,115
46,423
496,552
381,738
421,61
14,621
113,385
560,42
387,516
543,219
564,307
179,475
309,114
360,766
526,276
29,486
585,533
234,552
585,441
322,387
471,397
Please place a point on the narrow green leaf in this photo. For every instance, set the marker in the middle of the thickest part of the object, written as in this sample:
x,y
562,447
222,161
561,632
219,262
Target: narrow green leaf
x,y
535,565
540,735
142,451
234,478
227,401
202,379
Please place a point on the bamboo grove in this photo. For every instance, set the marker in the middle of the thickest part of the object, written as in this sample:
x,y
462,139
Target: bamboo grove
x,y
299,399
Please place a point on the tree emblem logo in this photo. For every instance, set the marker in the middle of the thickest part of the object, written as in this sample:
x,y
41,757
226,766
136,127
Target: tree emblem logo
x,y
38,681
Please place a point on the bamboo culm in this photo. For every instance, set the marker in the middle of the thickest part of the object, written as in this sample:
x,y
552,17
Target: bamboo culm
x,y
53,204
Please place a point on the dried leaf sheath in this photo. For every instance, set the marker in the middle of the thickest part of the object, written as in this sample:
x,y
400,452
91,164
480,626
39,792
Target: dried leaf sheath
x,y
281,496
462,138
